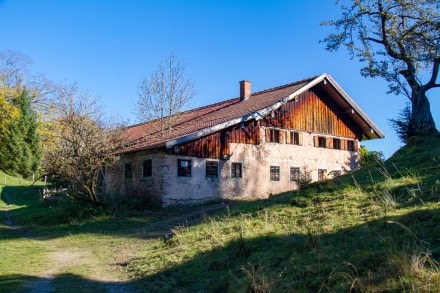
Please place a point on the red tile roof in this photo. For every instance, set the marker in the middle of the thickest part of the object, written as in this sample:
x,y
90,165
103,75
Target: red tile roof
x,y
147,135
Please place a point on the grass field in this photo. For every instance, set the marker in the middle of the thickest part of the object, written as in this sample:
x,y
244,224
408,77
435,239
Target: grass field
x,y
373,230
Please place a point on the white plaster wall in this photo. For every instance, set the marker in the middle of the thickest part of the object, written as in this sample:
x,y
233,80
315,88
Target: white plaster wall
x,y
256,161
255,182
138,186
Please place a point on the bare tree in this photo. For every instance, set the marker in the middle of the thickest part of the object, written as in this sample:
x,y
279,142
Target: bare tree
x,y
78,141
15,77
399,40
165,95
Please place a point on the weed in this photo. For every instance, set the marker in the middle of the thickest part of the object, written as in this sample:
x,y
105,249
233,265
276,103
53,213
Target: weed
x,y
305,178
387,200
344,275
258,281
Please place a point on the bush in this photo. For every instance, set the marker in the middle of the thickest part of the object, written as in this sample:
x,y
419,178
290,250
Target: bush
x,y
369,158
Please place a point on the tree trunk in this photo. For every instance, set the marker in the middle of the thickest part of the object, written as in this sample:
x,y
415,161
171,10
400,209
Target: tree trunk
x,y
421,122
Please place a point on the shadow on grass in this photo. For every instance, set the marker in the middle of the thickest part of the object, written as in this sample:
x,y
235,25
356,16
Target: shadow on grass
x,y
371,254
47,220
377,254
61,283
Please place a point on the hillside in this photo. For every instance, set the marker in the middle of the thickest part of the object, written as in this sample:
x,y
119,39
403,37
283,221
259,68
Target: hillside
x,y
373,230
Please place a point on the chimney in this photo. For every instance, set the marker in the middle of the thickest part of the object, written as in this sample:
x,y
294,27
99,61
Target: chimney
x,y
245,90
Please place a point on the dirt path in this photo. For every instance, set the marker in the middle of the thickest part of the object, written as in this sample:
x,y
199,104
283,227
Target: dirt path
x,y
64,258
94,262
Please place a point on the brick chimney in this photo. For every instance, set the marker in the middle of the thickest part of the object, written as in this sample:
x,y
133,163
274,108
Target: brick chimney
x,y
245,90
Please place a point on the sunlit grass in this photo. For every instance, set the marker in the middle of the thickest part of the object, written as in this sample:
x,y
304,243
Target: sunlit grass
x,y
374,230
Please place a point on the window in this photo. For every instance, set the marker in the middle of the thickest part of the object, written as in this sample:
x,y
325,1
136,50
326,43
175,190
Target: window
x,y
322,174
274,173
236,170
350,145
336,143
128,172
212,169
321,142
293,138
148,168
295,173
184,168
336,173
273,135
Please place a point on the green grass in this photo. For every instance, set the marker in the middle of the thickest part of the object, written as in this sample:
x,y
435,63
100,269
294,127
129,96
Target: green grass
x,y
373,230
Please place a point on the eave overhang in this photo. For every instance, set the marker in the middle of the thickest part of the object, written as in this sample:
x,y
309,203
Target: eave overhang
x,y
369,129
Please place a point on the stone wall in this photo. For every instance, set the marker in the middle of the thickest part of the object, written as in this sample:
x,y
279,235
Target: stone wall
x,y
256,161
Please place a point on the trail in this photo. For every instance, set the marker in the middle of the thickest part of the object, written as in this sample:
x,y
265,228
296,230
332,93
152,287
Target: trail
x,y
63,257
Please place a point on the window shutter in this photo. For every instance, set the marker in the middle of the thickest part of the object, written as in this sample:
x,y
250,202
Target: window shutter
x,y
300,136
267,135
316,141
329,143
343,144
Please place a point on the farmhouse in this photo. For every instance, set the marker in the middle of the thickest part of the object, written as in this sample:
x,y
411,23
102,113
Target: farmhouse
x,y
251,146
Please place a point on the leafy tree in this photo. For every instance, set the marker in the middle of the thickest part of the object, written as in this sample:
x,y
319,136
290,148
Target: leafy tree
x,y
399,40
369,158
8,112
20,147
79,142
165,94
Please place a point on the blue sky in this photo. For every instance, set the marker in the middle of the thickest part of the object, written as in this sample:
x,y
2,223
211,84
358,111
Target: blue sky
x,y
108,47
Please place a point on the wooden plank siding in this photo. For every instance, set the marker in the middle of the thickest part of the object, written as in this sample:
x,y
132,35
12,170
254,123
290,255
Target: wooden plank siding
x,y
216,145
313,111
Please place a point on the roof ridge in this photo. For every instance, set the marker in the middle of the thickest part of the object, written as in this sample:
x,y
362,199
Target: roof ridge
x,y
231,100
286,85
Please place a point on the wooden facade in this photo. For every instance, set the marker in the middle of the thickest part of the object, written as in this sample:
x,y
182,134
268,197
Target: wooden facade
x,y
311,111
216,145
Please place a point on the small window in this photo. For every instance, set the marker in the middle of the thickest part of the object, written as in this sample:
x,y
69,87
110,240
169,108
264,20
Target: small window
x,y
273,135
212,169
350,145
293,138
321,142
294,173
236,170
274,173
336,143
148,168
128,172
336,173
184,168
322,174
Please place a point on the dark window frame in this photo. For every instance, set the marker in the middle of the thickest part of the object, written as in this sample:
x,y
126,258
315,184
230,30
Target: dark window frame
x,y
236,170
350,145
275,173
147,168
336,173
211,169
295,173
322,142
293,138
336,143
274,135
183,171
